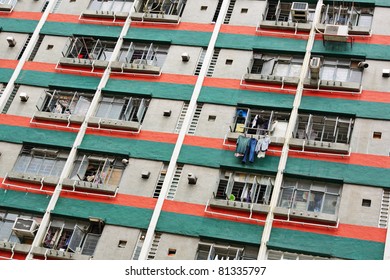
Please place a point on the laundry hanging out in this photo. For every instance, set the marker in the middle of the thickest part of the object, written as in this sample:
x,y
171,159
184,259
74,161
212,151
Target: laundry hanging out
x,y
249,147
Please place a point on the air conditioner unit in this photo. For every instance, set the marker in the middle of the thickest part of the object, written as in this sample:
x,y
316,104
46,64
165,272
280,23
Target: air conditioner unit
x,y
314,65
192,179
25,227
336,32
11,41
299,11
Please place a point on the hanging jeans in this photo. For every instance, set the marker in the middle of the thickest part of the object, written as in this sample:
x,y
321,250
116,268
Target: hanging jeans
x,y
250,151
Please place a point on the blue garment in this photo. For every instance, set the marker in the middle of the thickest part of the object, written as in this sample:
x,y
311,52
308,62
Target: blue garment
x,y
250,151
242,143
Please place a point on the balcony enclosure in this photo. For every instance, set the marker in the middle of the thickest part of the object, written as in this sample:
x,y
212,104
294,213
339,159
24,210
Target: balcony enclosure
x,y
40,161
310,196
146,58
87,52
97,169
168,11
257,121
122,108
288,16
59,105
358,19
222,251
111,5
331,129
71,236
244,187
274,68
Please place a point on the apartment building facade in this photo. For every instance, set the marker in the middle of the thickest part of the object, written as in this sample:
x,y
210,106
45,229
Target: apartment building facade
x,y
194,129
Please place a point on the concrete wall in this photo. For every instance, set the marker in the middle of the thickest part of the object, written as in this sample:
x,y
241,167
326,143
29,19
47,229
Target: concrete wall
x,y
250,18
372,76
193,13
154,119
132,183
74,7
203,190
185,246
174,64
9,154
29,6
7,52
363,140
215,128
237,69
52,53
351,210
26,109
107,247
381,21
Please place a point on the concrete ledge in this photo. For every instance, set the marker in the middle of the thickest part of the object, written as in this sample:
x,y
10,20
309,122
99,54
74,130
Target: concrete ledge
x,y
48,116
272,24
114,124
24,177
271,79
155,17
237,205
83,186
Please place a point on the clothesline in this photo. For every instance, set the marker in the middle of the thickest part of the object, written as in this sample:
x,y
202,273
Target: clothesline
x,y
248,147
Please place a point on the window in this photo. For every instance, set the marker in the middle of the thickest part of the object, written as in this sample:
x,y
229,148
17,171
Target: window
x,y
280,255
7,5
366,202
97,169
332,129
122,108
311,196
88,48
72,236
244,187
171,7
143,54
284,12
111,5
257,121
342,70
377,135
7,220
347,14
229,61
244,10
203,8
276,65
40,161
64,102
223,251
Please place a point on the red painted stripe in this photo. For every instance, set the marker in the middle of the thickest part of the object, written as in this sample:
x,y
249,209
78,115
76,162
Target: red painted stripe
x,y
207,142
163,78
344,230
144,135
7,254
185,26
355,158
366,95
22,15
7,63
251,30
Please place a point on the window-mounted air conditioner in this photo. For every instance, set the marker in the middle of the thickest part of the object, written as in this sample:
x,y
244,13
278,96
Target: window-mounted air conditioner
x,y
314,65
299,11
25,227
336,32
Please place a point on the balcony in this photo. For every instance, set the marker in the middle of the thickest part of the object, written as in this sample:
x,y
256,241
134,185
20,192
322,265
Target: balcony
x,y
111,9
166,11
